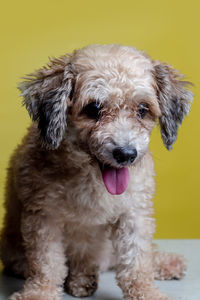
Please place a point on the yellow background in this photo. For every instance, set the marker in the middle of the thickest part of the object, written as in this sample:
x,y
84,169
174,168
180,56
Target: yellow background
x,y
168,30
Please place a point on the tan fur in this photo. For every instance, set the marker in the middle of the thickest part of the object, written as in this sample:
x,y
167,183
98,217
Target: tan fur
x,y
61,225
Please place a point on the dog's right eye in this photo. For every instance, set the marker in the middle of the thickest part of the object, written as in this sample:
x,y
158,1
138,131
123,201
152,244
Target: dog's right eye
x,y
92,110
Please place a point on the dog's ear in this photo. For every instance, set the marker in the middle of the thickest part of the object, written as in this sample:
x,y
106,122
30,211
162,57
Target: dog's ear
x,y
174,100
45,95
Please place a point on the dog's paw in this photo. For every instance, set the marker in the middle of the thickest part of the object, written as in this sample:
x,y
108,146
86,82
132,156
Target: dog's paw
x,y
168,266
153,294
36,295
22,296
15,296
150,297
81,286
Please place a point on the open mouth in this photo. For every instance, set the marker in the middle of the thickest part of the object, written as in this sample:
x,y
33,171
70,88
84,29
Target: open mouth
x,y
116,180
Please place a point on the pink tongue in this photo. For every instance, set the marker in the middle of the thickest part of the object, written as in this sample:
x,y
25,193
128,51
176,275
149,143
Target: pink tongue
x,y
115,180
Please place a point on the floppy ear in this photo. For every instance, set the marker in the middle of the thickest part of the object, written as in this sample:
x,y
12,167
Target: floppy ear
x,y
45,95
174,100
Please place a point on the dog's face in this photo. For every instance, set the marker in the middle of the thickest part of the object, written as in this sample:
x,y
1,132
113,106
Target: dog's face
x,y
115,95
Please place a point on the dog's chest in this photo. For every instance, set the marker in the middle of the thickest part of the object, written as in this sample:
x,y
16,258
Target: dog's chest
x,y
87,202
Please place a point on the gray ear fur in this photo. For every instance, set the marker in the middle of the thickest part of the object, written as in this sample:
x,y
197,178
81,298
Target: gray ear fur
x,y
45,95
174,100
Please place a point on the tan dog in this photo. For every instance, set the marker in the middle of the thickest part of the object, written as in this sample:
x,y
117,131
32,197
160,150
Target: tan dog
x,y
79,187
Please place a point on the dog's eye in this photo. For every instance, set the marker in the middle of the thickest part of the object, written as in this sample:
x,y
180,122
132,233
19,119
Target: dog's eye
x,y
143,109
92,110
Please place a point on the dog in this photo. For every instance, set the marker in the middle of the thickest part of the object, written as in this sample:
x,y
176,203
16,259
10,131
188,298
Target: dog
x,y
80,185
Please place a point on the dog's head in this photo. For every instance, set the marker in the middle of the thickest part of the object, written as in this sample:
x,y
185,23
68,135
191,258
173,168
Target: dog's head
x,y
112,96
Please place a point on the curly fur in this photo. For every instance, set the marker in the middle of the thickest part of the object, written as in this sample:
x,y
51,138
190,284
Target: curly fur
x,y
61,225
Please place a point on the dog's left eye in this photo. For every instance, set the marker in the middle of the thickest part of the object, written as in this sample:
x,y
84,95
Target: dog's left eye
x,y
92,110
143,109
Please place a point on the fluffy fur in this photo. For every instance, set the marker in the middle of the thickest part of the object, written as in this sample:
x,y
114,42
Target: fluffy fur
x,y
61,225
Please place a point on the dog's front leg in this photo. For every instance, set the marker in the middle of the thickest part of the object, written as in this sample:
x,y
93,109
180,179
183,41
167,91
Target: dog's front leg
x,y
132,240
45,256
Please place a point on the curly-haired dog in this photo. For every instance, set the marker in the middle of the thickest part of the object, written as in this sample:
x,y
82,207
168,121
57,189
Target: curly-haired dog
x,y
80,185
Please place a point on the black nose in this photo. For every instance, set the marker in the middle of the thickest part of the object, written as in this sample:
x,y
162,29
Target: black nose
x,y
124,155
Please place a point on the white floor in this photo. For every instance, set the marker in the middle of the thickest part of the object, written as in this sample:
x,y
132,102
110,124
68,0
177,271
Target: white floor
x,y
185,289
